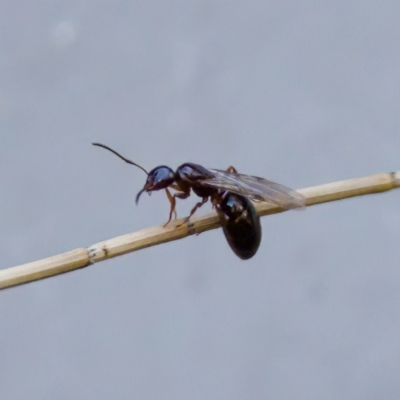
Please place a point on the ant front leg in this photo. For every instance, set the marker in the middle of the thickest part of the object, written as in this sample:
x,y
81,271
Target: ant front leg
x,y
171,198
172,202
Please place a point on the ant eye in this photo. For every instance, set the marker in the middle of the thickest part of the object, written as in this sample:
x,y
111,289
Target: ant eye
x,y
159,178
164,174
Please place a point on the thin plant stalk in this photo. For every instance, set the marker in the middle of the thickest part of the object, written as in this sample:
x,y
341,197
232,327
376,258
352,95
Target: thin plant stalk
x,y
84,257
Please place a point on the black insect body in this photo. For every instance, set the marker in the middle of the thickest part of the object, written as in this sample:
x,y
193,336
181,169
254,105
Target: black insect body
x,y
230,194
240,223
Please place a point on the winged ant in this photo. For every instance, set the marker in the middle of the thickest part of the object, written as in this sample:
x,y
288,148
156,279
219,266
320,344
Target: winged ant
x,y
230,193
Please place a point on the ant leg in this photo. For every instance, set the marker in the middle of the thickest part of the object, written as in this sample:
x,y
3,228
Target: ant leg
x,y
180,195
198,205
231,169
173,203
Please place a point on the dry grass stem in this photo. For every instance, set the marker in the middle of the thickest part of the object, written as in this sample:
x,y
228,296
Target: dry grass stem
x,y
83,257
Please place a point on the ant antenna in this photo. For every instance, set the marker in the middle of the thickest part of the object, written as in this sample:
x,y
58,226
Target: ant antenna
x,y
119,155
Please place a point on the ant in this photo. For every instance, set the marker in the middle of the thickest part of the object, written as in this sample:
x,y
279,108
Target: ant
x,y
230,194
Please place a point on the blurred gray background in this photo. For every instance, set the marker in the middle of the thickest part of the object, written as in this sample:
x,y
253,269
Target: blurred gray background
x,y
302,93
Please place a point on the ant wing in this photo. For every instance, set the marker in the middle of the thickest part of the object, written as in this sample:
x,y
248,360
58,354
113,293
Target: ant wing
x,y
255,188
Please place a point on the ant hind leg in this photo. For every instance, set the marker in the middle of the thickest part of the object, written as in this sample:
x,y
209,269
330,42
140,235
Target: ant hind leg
x,y
231,169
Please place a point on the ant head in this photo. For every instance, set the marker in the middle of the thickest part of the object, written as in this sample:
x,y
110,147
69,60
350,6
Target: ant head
x,y
158,178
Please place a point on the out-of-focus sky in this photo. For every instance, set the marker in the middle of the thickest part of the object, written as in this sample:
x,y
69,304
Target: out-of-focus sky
x,y
302,93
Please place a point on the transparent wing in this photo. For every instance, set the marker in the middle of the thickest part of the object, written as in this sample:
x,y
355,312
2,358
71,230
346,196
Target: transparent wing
x,y
256,188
